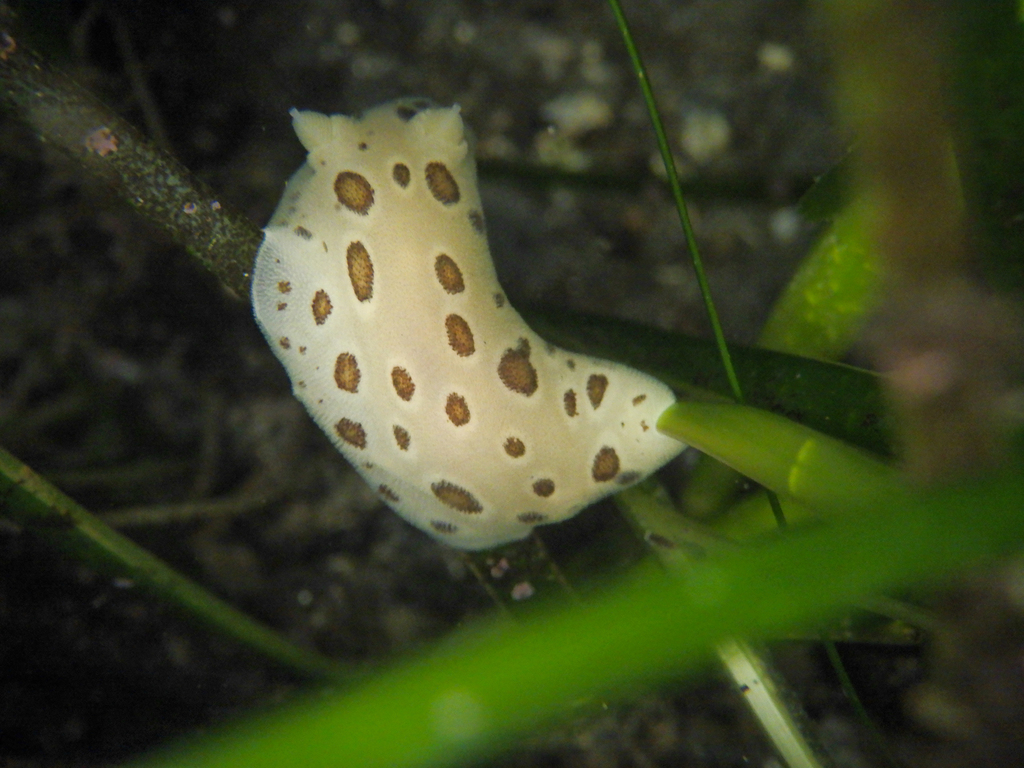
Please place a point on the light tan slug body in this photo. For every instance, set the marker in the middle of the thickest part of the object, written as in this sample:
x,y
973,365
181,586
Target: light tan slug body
x,y
375,288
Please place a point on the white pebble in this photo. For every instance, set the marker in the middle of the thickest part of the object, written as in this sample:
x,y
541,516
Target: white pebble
x,y
706,134
577,113
464,32
776,57
347,33
784,225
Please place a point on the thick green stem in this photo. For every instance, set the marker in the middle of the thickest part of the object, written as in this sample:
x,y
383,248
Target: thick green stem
x,y
65,115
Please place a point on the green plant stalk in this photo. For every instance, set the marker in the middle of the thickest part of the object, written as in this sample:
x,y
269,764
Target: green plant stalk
x,y
109,149
785,456
43,511
486,685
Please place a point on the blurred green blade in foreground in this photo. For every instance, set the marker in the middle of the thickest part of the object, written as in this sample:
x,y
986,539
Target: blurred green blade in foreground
x,y
486,686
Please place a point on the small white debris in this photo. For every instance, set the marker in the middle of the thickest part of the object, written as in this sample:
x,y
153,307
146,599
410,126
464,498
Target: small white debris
x,y
776,57
553,52
674,275
347,33
373,66
464,32
522,591
593,67
706,134
784,225
577,113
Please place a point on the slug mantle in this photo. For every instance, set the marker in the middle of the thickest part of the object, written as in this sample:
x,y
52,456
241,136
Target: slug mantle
x,y
375,288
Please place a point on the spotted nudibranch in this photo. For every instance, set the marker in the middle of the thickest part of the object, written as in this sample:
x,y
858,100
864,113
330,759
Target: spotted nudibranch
x,y
375,287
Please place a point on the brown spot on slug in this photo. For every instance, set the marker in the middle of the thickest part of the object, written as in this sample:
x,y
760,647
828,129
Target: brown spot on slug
x,y
354,192
388,494
304,233
569,401
596,386
515,370
351,432
457,409
403,383
606,465
442,526
321,307
639,399
400,173
544,487
456,497
346,372
514,447
460,337
530,518
284,342
284,286
442,184
282,306
448,274
402,438
476,220
360,270
499,300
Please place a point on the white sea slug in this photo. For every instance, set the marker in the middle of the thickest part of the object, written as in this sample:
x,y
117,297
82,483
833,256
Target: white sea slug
x,y
375,287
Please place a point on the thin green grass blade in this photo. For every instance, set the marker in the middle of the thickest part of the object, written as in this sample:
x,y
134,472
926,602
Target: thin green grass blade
x,y
41,510
677,195
487,685
881,745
